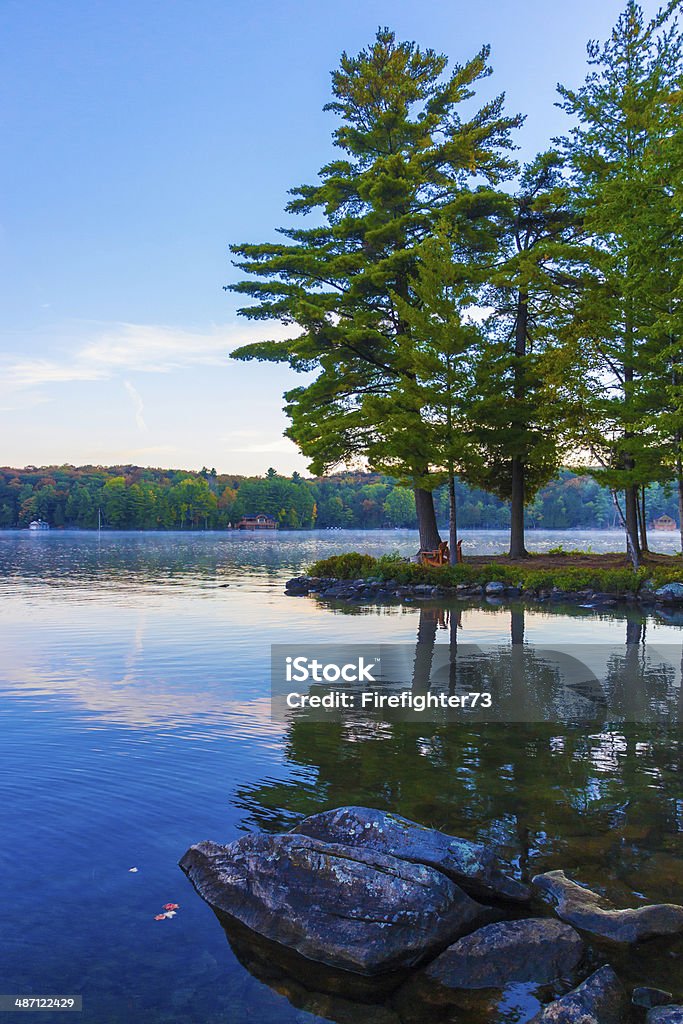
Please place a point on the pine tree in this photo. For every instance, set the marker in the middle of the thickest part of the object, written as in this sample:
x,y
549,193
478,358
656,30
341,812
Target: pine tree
x,y
522,415
623,117
408,153
436,353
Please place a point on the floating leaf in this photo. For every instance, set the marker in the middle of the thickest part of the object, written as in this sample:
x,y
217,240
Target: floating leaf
x,y
132,870
171,906
160,917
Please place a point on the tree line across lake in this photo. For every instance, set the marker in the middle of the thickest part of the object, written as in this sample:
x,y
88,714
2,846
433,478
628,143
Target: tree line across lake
x,y
134,498
467,318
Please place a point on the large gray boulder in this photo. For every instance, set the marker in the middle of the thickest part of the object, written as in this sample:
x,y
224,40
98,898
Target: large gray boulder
x,y
665,1015
471,865
536,950
358,910
593,914
601,999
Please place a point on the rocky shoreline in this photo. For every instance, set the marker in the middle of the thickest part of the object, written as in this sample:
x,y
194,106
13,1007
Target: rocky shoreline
x,y
373,590
429,921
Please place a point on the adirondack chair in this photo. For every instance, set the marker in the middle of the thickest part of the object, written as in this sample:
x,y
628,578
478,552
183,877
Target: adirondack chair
x,y
439,557
442,555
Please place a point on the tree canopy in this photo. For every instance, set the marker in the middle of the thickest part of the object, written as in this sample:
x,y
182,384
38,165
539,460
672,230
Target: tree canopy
x,y
463,316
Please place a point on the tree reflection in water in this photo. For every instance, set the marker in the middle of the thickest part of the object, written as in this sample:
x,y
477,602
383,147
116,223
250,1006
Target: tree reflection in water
x,y
603,802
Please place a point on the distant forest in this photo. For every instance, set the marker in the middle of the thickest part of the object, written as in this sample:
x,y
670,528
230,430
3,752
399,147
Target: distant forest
x,y
133,498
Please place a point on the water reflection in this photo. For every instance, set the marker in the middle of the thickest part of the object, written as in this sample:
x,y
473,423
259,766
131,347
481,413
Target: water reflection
x,y
405,998
600,801
135,701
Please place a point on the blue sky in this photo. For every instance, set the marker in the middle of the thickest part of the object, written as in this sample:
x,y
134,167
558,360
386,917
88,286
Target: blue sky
x,y
139,139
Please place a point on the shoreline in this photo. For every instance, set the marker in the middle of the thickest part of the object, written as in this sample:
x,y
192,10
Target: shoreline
x,y
371,590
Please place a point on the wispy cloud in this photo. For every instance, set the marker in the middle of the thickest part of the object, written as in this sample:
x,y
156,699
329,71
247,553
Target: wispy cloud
x,y
107,350
152,348
30,373
138,405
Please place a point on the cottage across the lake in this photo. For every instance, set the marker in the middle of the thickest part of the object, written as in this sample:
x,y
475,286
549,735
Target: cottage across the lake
x,y
665,523
260,522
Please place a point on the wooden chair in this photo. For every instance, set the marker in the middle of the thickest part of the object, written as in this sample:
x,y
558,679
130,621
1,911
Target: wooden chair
x,y
439,557
442,555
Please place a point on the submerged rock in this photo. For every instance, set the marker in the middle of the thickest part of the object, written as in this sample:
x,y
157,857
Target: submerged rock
x,y
469,864
649,997
320,990
601,999
593,914
536,950
665,1015
358,910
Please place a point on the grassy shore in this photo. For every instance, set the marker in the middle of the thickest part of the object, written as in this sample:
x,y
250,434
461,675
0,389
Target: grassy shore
x,y
570,571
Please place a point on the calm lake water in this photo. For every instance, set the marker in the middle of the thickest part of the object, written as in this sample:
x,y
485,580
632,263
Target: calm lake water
x,y
134,695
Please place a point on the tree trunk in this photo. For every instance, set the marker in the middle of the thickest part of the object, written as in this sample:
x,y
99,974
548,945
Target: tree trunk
x,y
454,624
632,549
424,650
517,491
517,545
426,520
634,631
679,475
631,522
452,522
642,521
517,626
631,490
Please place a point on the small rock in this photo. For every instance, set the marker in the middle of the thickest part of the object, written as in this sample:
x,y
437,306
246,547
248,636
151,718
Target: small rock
x,y
537,950
593,914
601,999
495,588
670,592
649,997
300,585
469,864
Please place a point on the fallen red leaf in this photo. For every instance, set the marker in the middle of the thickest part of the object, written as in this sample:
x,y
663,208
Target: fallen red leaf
x,y
171,906
160,917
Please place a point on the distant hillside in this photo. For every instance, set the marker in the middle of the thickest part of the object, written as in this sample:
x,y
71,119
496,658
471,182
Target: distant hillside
x,y
133,498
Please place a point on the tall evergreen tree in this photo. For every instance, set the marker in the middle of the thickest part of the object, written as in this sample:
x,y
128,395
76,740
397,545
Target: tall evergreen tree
x,y
522,418
437,355
408,152
623,117
659,270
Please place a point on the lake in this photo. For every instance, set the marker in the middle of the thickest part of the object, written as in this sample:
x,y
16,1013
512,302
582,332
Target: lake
x,y
135,699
